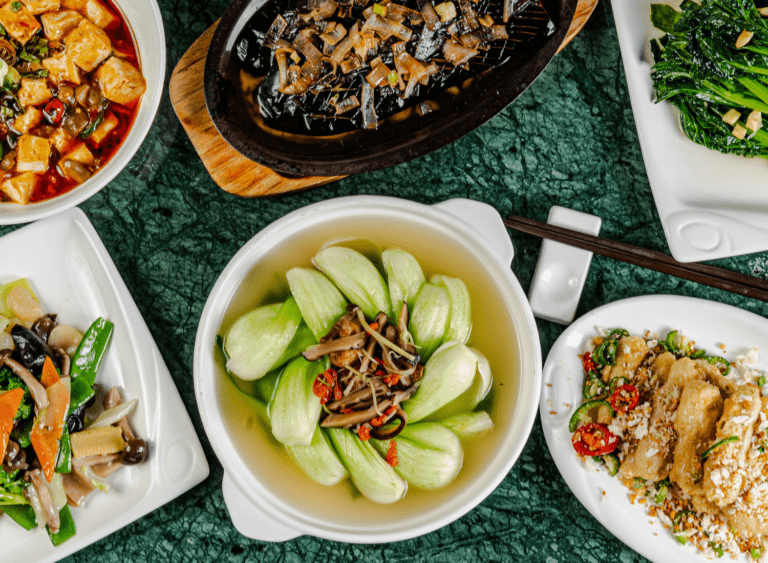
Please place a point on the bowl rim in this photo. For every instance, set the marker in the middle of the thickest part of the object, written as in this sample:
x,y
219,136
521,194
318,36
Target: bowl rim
x,y
502,88
205,377
14,214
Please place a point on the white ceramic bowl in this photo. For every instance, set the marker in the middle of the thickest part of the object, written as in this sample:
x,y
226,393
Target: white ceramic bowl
x,y
268,497
145,21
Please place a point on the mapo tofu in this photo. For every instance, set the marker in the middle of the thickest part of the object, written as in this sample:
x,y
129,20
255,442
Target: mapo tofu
x,y
70,88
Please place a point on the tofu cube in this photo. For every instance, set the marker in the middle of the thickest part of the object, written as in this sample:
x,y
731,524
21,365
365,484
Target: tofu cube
x,y
88,45
78,5
80,154
33,154
62,68
57,25
19,22
33,92
38,7
101,132
28,120
98,13
19,188
120,81
61,140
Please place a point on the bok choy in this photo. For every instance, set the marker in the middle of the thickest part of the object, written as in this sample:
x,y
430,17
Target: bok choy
x,y
404,277
295,410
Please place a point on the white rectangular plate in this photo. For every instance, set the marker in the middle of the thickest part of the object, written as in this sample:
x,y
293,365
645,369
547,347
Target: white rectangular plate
x,y
709,324
73,275
711,205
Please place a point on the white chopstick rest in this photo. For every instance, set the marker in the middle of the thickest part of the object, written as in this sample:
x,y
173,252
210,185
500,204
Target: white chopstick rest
x,y
562,270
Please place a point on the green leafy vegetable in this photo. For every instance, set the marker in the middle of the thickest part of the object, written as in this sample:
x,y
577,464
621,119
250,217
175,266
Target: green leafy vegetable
x,y
258,340
320,302
295,409
476,392
318,460
447,374
429,318
701,71
467,424
429,455
404,277
460,323
10,381
11,488
373,476
357,278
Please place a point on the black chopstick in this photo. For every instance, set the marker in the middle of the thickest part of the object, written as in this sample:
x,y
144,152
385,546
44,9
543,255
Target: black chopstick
x,y
741,284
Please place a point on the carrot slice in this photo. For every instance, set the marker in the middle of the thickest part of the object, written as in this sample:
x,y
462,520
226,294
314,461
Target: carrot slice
x,y
50,375
9,406
49,426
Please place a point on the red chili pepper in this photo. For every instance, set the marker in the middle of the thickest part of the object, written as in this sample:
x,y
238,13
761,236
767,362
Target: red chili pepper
x,y
323,386
346,410
380,372
625,398
392,453
594,439
380,420
589,365
374,325
54,111
392,379
364,432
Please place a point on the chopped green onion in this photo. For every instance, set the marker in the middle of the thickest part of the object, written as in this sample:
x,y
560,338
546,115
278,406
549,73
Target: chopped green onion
x,y
761,381
379,9
28,57
15,6
716,445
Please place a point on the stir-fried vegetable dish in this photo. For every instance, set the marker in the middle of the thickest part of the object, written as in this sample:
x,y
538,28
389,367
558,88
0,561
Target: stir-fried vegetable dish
x,y
70,87
365,377
685,432
55,448
331,66
711,65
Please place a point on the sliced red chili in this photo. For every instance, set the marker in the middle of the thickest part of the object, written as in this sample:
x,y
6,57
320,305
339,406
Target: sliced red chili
x,y
364,432
392,379
54,111
594,439
324,385
392,453
380,420
589,365
624,398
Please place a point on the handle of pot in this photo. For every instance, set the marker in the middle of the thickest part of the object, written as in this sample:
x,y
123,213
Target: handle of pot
x,y
486,222
250,520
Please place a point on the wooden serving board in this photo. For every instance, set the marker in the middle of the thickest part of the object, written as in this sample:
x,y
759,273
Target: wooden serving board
x,y
231,171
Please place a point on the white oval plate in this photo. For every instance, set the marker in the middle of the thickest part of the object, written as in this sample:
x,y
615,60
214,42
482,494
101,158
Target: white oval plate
x,y
709,324
73,275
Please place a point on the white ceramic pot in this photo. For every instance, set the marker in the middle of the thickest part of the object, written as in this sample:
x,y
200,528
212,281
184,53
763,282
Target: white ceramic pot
x,y
146,23
268,497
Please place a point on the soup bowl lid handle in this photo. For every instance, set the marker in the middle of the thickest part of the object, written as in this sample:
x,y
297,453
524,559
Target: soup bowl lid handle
x,y
485,221
250,520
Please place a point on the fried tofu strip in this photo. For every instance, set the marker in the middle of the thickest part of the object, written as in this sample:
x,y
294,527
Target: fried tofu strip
x,y
662,365
653,457
724,475
695,423
630,353
748,514
727,386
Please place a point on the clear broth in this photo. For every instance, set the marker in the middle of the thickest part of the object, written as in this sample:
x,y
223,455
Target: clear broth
x,y
494,333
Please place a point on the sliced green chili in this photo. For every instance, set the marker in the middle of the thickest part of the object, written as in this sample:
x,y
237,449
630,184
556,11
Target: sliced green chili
x,y
92,127
755,552
638,483
593,387
716,445
698,354
714,360
716,548
760,380
611,461
669,342
618,382
617,332
582,413
661,491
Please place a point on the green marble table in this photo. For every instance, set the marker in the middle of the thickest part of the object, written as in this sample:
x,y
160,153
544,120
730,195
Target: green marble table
x,y
570,140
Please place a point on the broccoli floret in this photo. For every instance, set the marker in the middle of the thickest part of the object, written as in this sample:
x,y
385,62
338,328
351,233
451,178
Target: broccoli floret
x,y
8,381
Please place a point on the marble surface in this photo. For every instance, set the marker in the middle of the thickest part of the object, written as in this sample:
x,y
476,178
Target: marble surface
x,y
570,140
